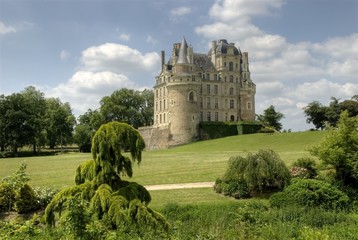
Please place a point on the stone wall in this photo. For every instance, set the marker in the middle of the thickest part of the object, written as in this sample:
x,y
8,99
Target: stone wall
x,y
155,137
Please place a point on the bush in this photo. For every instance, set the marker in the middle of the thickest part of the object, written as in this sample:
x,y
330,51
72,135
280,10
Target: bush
x,y
7,197
311,193
26,200
233,189
262,172
44,196
306,163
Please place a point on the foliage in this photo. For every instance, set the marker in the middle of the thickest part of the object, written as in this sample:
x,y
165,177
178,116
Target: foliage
x,y
26,200
271,118
59,122
28,118
88,124
307,166
263,171
233,189
319,115
19,178
7,197
76,218
98,182
212,130
44,195
339,149
129,106
311,193
16,194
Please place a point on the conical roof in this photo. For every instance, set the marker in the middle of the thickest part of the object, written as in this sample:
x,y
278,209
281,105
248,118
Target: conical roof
x,y
182,58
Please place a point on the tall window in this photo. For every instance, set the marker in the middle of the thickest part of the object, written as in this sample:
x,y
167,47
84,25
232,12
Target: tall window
x,y
216,116
201,117
231,66
208,89
216,89
231,78
208,104
231,91
232,103
249,105
216,103
191,96
208,116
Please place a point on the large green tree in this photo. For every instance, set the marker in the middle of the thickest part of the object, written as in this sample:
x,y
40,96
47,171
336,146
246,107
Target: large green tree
x,y
129,106
339,149
316,114
321,116
111,200
15,122
59,122
87,125
36,107
271,118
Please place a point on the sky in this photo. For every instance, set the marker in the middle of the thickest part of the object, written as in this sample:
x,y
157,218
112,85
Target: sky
x,y
82,50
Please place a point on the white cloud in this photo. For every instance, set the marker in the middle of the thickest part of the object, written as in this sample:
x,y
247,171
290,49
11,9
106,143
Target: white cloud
x,y
124,37
118,58
287,75
104,69
85,89
6,29
180,11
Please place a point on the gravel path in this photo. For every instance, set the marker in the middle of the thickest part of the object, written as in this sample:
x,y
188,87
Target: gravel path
x,y
180,186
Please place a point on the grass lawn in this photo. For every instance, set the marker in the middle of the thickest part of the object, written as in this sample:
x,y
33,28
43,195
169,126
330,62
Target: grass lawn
x,y
202,161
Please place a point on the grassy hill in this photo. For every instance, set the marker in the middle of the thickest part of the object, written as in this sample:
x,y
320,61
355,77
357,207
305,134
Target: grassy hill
x,y
196,162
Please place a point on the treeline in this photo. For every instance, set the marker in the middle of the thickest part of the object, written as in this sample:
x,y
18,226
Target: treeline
x,y
28,118
322,116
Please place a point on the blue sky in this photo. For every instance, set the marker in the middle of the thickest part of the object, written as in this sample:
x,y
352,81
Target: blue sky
x,y
82,50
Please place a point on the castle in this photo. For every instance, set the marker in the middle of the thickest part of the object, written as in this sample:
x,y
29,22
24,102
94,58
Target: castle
x,y
194,87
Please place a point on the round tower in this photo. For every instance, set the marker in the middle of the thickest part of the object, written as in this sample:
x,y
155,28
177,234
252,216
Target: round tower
x,y
183,90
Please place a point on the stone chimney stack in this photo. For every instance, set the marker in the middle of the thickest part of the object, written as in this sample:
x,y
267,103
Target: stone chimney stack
x,y
163,59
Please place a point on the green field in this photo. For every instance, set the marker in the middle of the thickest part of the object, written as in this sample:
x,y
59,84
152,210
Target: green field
x,y
202,161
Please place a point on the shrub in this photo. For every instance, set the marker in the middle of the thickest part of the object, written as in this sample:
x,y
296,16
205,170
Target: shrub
x,y
44,196
263,171
233,189
7,197
308,164
26,200
311,193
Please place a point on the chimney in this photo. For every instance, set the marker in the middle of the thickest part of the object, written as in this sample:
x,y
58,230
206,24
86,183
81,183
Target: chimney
x,y
163,59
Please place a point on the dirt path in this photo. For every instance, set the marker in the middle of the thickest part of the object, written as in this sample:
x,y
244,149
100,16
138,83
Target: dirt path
x,y
180,186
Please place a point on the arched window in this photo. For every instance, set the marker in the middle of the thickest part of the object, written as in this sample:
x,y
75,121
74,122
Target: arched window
x,y
192,96
232,118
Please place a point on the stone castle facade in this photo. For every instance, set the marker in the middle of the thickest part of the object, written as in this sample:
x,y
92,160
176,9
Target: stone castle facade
x,y
194,87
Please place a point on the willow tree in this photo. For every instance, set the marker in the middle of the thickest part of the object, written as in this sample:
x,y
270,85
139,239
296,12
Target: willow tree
x,y
116,202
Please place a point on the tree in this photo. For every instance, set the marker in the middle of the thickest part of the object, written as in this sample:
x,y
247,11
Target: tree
x,y
36,104
271,118
129,106
115,202
59,122
339,149
88,124
321,115
316,114
350,105
263,171
15,122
